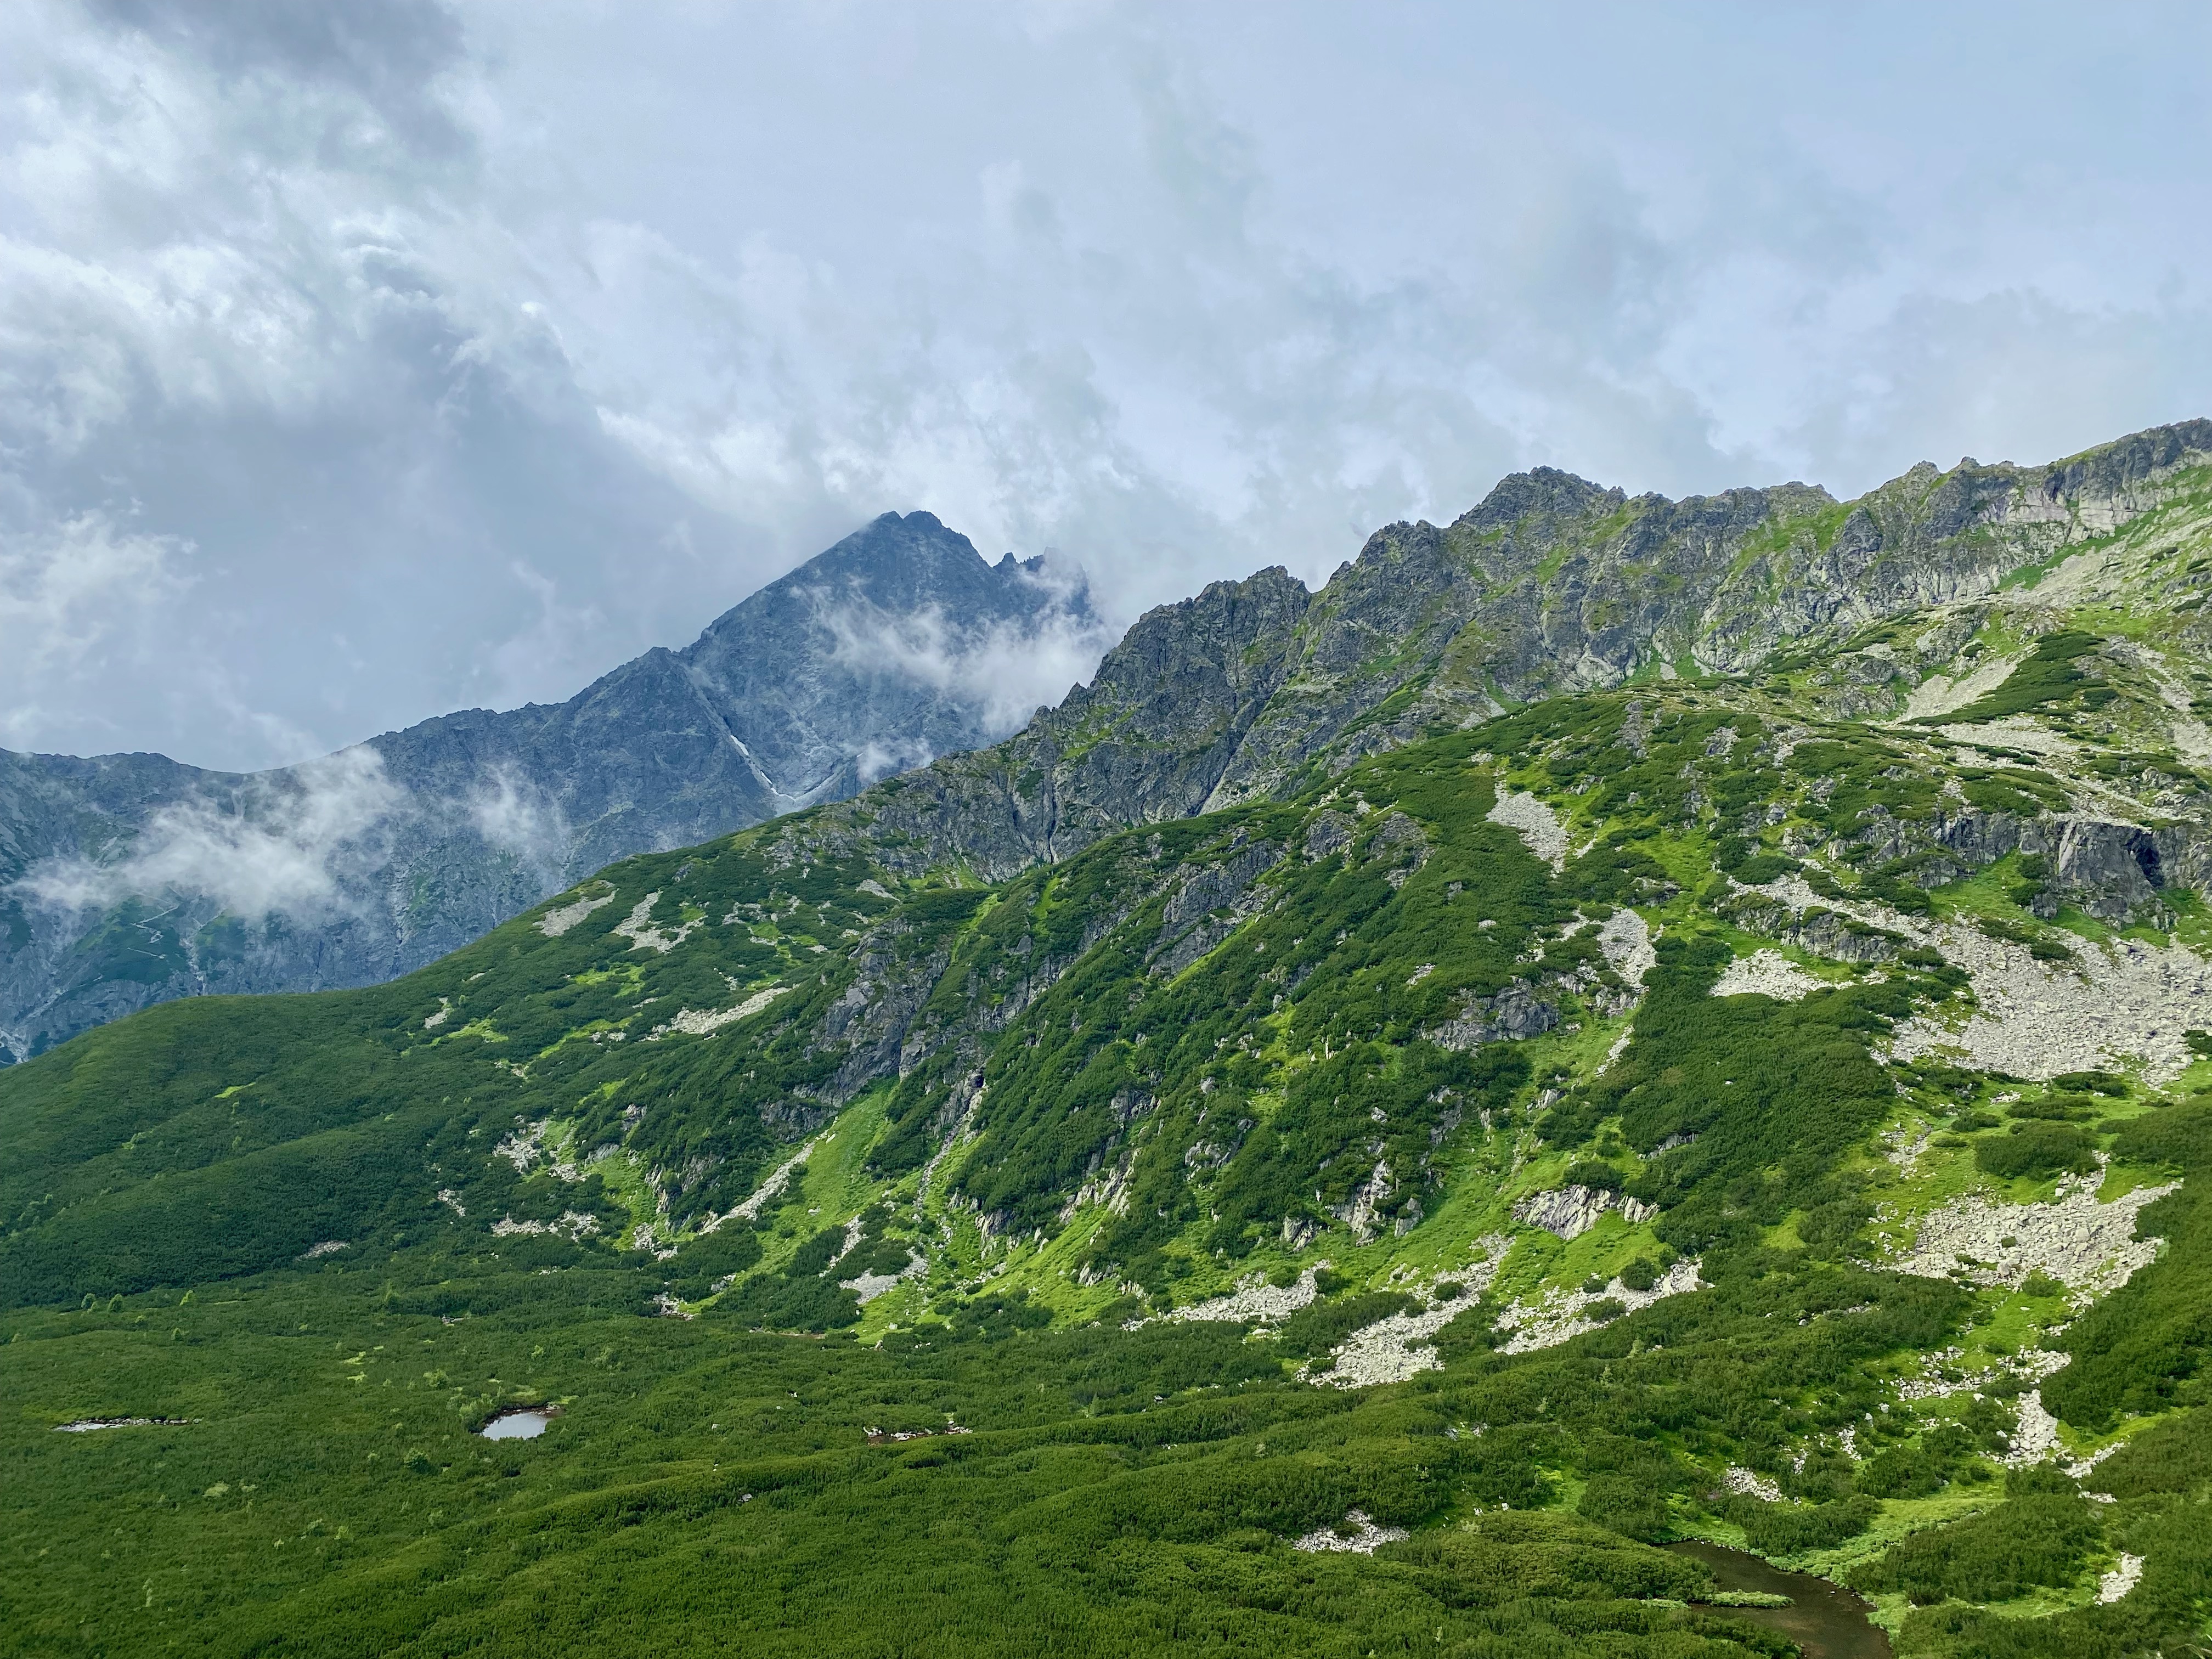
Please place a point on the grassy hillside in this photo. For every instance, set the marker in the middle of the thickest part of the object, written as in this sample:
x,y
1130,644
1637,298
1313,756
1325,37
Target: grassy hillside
x,y
1367,1221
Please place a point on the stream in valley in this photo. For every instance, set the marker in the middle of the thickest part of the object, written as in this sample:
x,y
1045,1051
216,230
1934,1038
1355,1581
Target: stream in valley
x,y
1823,1618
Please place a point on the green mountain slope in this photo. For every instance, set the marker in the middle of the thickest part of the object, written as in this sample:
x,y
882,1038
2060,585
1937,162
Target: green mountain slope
x,y
1303,1150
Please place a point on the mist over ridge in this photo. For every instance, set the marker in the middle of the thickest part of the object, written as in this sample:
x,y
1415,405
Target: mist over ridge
x,y
129,878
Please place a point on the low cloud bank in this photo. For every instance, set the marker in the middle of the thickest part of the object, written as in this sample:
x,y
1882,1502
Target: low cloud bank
x,y
301,842
310,841
280,843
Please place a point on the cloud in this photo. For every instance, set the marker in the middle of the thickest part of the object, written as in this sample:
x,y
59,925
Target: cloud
x,y
65,590
75,597
283,843
1006,670
389,55
509,812
879,759
308,842
429,354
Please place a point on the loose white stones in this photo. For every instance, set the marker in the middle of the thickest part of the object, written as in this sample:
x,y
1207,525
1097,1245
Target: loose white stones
x,y
1625,938
1256,1298
2088,1247
1560,1315
644,935
1745,1483
555,922
1766,973
2121,1579
1536,823
697,1022
1357,1534
2124,1002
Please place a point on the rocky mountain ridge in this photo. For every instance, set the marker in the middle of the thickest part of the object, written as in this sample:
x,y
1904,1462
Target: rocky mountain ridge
x,y
1766,1109
1553,585
132,878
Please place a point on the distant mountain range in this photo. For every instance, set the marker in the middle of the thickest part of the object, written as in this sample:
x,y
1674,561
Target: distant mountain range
x,y
134,879
1616,1022
129,879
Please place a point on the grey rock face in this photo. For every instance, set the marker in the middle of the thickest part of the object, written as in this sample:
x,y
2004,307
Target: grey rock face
x,y
1146,741
130,878
1208,905
1515,1013
1823,933
1571,1212
1551,585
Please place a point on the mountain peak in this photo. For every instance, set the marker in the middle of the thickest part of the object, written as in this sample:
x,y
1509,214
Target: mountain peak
x,y
899,644
1544,491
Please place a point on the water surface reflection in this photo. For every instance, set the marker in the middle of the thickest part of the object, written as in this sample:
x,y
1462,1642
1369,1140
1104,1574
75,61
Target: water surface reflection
x,y
523,1423
1823,1618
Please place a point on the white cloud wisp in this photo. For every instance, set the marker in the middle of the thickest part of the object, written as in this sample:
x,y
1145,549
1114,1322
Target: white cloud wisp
x,y
283,844
1007,670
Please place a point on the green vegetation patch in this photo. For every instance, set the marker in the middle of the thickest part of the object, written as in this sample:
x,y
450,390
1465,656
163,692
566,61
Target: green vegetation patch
x,y
2044,1535
2048,675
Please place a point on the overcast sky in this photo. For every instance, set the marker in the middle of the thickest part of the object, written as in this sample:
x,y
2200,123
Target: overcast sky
x,y
359,361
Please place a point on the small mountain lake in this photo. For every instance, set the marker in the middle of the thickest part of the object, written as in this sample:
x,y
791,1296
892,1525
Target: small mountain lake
x,y
1823,1619
523,1423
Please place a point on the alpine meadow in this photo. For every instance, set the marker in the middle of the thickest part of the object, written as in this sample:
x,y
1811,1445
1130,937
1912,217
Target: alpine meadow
x,y
1381,1125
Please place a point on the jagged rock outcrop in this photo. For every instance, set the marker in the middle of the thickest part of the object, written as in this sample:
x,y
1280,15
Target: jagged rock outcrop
x,y
1147,740
1572,1211
1207,906
1821,932
1551,583
1515,1013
